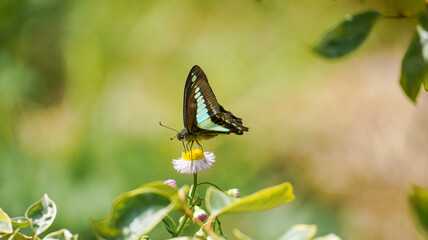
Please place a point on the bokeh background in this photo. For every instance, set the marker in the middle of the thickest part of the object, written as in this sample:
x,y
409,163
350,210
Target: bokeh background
x,y
83,85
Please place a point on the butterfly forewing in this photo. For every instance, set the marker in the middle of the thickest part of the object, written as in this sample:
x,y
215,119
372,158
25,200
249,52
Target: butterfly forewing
x,y
190,105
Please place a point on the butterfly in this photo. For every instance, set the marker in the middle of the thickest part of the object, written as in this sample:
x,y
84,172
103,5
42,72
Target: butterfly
x,y
203,116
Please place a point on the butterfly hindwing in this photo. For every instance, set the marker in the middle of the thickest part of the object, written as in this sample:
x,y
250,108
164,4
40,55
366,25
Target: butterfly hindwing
x,y
202,113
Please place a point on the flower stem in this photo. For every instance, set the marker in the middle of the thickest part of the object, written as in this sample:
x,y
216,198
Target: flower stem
x,y
195,185
212,184
191,202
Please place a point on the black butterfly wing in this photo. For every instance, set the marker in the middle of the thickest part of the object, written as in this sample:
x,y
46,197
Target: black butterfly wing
x,y
202,113
189,107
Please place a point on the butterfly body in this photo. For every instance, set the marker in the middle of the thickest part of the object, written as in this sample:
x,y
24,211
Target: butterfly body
x,y
185,135
203,117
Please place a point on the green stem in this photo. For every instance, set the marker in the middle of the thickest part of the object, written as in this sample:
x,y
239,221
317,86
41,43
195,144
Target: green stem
x,y
212,184
195,185
219,226
399,14
14,233
191,202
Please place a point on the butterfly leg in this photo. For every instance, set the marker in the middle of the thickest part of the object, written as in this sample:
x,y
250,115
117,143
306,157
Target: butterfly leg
x,y
200,146
187,146
190,149
184,146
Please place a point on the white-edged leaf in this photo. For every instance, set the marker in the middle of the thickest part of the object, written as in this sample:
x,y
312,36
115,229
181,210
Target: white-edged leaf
x,y
300,232
5,223
184,238
62,234
20,222
18,236
41,214
136,213
330,236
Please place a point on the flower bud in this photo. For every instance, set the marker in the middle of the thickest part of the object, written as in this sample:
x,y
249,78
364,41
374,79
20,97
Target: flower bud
x,y
170,182
201,234
200,214
234,192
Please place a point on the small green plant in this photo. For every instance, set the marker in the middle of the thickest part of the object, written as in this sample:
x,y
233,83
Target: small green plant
x,y
134,214
39,217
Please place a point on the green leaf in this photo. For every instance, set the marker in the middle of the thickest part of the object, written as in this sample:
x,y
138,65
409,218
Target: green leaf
x,y
218,202
423,20
20,222
169,224
184,190
137,212
42,214
239,235
300,232
5,223
330,236
423,34
160,186
18,236
347,36
418,199
413,65
62,234
184,238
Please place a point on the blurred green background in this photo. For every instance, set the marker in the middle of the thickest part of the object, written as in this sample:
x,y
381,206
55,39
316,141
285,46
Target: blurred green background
x,y
83,85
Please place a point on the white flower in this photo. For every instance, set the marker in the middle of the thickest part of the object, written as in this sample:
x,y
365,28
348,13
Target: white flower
x,y
194,161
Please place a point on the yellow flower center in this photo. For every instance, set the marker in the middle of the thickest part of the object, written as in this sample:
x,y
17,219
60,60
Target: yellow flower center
x,y
194,154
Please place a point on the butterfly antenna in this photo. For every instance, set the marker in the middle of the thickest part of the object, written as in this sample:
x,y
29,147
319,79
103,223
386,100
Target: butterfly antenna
x,y
160,123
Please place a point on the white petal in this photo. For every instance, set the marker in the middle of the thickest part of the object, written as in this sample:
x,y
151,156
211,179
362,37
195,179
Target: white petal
x,y
191,167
